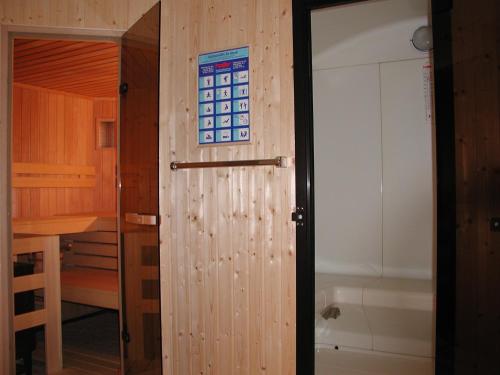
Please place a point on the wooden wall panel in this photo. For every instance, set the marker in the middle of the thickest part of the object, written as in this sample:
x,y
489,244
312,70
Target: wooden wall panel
x,y
106,14
58,128
137,8
228,245
476,57
86,68
50,13
105,160
102,14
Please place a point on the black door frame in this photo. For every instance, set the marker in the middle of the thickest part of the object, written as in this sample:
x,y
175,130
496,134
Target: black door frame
x,y
445,164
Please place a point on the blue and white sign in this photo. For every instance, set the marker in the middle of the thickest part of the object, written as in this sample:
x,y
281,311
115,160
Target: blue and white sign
x,y
223,97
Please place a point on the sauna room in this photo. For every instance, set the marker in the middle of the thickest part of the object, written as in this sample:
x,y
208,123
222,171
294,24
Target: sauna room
x,y
64,132
374,188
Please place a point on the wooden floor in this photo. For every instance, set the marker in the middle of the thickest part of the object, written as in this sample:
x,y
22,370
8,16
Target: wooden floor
x,y
90,347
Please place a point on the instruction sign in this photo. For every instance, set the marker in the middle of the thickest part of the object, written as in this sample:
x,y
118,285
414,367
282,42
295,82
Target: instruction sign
x,y
223,97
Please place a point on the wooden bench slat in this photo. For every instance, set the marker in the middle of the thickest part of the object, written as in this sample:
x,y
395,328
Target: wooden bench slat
x,y
98,249
90,272
65,224
100,237
90,287
29,282
107,263
89,296
31,245
150,273
30,319
55,169
151,306
52,182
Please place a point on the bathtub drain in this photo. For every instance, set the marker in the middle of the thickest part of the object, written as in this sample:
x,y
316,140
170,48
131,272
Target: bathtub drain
x,y
330,312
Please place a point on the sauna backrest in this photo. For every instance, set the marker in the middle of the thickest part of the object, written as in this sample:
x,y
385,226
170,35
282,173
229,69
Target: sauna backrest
x,y
91,250
36,175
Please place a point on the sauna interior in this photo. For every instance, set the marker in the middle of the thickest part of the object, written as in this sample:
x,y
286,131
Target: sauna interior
x,y
64,138
374,189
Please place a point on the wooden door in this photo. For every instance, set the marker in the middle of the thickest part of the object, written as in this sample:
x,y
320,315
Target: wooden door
x,y
138,164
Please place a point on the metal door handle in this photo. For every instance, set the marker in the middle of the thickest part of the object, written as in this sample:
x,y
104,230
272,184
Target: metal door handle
x,y
141,219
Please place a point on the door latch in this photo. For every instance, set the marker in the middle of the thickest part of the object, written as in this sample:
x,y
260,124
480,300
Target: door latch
x,y
123,88
495,224
125,336
298,216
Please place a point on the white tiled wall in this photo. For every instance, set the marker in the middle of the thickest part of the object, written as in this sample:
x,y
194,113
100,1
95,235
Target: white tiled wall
x,y
348,170
408,170
373,142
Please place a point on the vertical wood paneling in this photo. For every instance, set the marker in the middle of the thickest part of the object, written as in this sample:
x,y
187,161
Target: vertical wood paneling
x,y
105,159
105,14
58,128
476,57
137,8
51,13
228,245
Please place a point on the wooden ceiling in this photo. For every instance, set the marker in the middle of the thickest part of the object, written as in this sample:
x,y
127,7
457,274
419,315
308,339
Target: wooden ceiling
x,y
78,67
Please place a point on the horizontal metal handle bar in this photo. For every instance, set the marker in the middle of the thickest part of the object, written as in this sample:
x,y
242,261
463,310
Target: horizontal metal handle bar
x,y
279,162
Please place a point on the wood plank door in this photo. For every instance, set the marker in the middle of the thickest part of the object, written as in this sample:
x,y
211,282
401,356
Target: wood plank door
x,y
138,164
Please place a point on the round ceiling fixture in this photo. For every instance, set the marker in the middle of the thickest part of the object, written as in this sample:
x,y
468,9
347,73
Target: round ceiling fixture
x,y
422,38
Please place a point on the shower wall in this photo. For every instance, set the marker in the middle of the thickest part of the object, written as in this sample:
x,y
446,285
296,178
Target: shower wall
x,y
373,141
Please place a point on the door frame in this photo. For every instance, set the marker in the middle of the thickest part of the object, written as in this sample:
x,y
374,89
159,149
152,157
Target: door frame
x,y
445,178
7,34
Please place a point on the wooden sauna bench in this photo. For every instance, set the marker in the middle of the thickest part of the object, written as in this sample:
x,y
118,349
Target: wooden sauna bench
x,y
89,273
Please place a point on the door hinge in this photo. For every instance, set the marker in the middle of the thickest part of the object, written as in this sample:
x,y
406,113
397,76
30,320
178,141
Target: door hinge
x,y
299,216
125,336
123,88
495,224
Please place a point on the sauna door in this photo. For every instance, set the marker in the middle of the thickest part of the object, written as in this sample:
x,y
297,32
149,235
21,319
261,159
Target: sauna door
x,y
141,333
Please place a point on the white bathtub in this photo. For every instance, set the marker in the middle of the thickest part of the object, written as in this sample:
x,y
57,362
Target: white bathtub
x,y
377,315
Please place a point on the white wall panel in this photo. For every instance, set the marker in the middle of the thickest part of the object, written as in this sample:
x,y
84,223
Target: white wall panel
x,y
347,136
407,171
353,110
368,32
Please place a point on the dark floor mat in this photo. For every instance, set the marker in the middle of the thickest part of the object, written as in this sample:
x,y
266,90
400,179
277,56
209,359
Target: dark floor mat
x,y
87,343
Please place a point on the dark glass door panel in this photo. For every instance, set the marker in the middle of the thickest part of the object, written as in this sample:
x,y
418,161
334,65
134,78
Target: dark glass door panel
x,y
139,196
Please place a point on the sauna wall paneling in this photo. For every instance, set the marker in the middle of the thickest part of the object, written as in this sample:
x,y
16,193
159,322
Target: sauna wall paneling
x,y
96,14
105,159
58,128
88,68
228,245
51,13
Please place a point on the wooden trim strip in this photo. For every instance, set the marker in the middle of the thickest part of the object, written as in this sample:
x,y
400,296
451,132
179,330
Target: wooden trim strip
x,y
29,282
29,320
